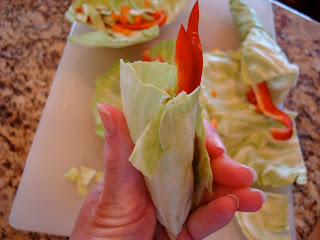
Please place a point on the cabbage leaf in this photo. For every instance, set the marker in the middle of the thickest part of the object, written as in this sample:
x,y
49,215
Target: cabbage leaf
x,y
270,222
244,131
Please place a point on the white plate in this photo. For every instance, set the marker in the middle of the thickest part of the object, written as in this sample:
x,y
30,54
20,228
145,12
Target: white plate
x,y
45,201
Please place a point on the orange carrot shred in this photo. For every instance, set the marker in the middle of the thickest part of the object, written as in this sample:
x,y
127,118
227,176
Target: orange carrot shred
x,y
126,32
114,16
117,28
125,9
138,20
146,55
158,58
213,93
214,122
147,4
123,19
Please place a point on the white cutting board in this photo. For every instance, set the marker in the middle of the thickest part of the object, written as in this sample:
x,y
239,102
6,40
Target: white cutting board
x,y
45,201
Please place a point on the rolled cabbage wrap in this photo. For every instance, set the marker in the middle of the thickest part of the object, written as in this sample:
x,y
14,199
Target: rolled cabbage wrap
x,y
161,106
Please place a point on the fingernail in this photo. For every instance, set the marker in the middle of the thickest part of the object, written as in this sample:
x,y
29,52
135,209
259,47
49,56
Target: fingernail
x,y
234,197
253,172
218,142
107,120
262,194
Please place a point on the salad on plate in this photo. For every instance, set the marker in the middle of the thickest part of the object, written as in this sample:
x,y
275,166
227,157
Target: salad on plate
x,y
122,23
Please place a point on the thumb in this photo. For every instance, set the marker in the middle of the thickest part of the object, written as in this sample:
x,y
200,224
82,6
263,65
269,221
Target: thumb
x,y
121,179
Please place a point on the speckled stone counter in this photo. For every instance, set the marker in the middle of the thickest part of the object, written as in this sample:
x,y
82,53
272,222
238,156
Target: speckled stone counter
x,y
300,39
32,39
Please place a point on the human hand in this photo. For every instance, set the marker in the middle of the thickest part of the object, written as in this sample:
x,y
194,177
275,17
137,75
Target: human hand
x,y
120,207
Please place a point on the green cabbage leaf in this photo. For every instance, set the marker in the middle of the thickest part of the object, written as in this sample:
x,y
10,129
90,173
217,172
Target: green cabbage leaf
x,y
108,85
167,130
168,134
262,59
270,222
244,131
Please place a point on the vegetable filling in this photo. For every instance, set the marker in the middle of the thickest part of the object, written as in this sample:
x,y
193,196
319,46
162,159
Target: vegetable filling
x,y
124,21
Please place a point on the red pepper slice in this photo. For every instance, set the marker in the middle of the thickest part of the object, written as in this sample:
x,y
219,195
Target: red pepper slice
x,y
265,104
160,19
79,10
251,97
188,54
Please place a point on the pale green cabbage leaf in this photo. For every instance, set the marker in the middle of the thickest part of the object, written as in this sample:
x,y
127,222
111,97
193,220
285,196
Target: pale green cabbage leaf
x,y
108,85
112,39
107,91
261,57
270,222
104,36
244,131
165,133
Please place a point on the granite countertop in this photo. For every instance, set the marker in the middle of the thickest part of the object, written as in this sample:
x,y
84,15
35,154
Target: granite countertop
x,y
33,36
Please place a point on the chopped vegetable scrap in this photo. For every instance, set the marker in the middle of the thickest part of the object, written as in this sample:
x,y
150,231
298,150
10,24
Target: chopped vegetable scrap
x,y
99,176
82,178
147,58
72,174
213,93
214,122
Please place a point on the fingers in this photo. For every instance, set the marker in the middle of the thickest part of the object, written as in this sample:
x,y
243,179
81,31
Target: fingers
x,y
121,178
224,169
160,233
215,146
250,199
231,173
212,217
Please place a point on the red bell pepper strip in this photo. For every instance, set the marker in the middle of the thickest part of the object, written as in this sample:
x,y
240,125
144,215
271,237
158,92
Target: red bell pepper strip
x,y
79,10
265,104
193,29
251,97
188,54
